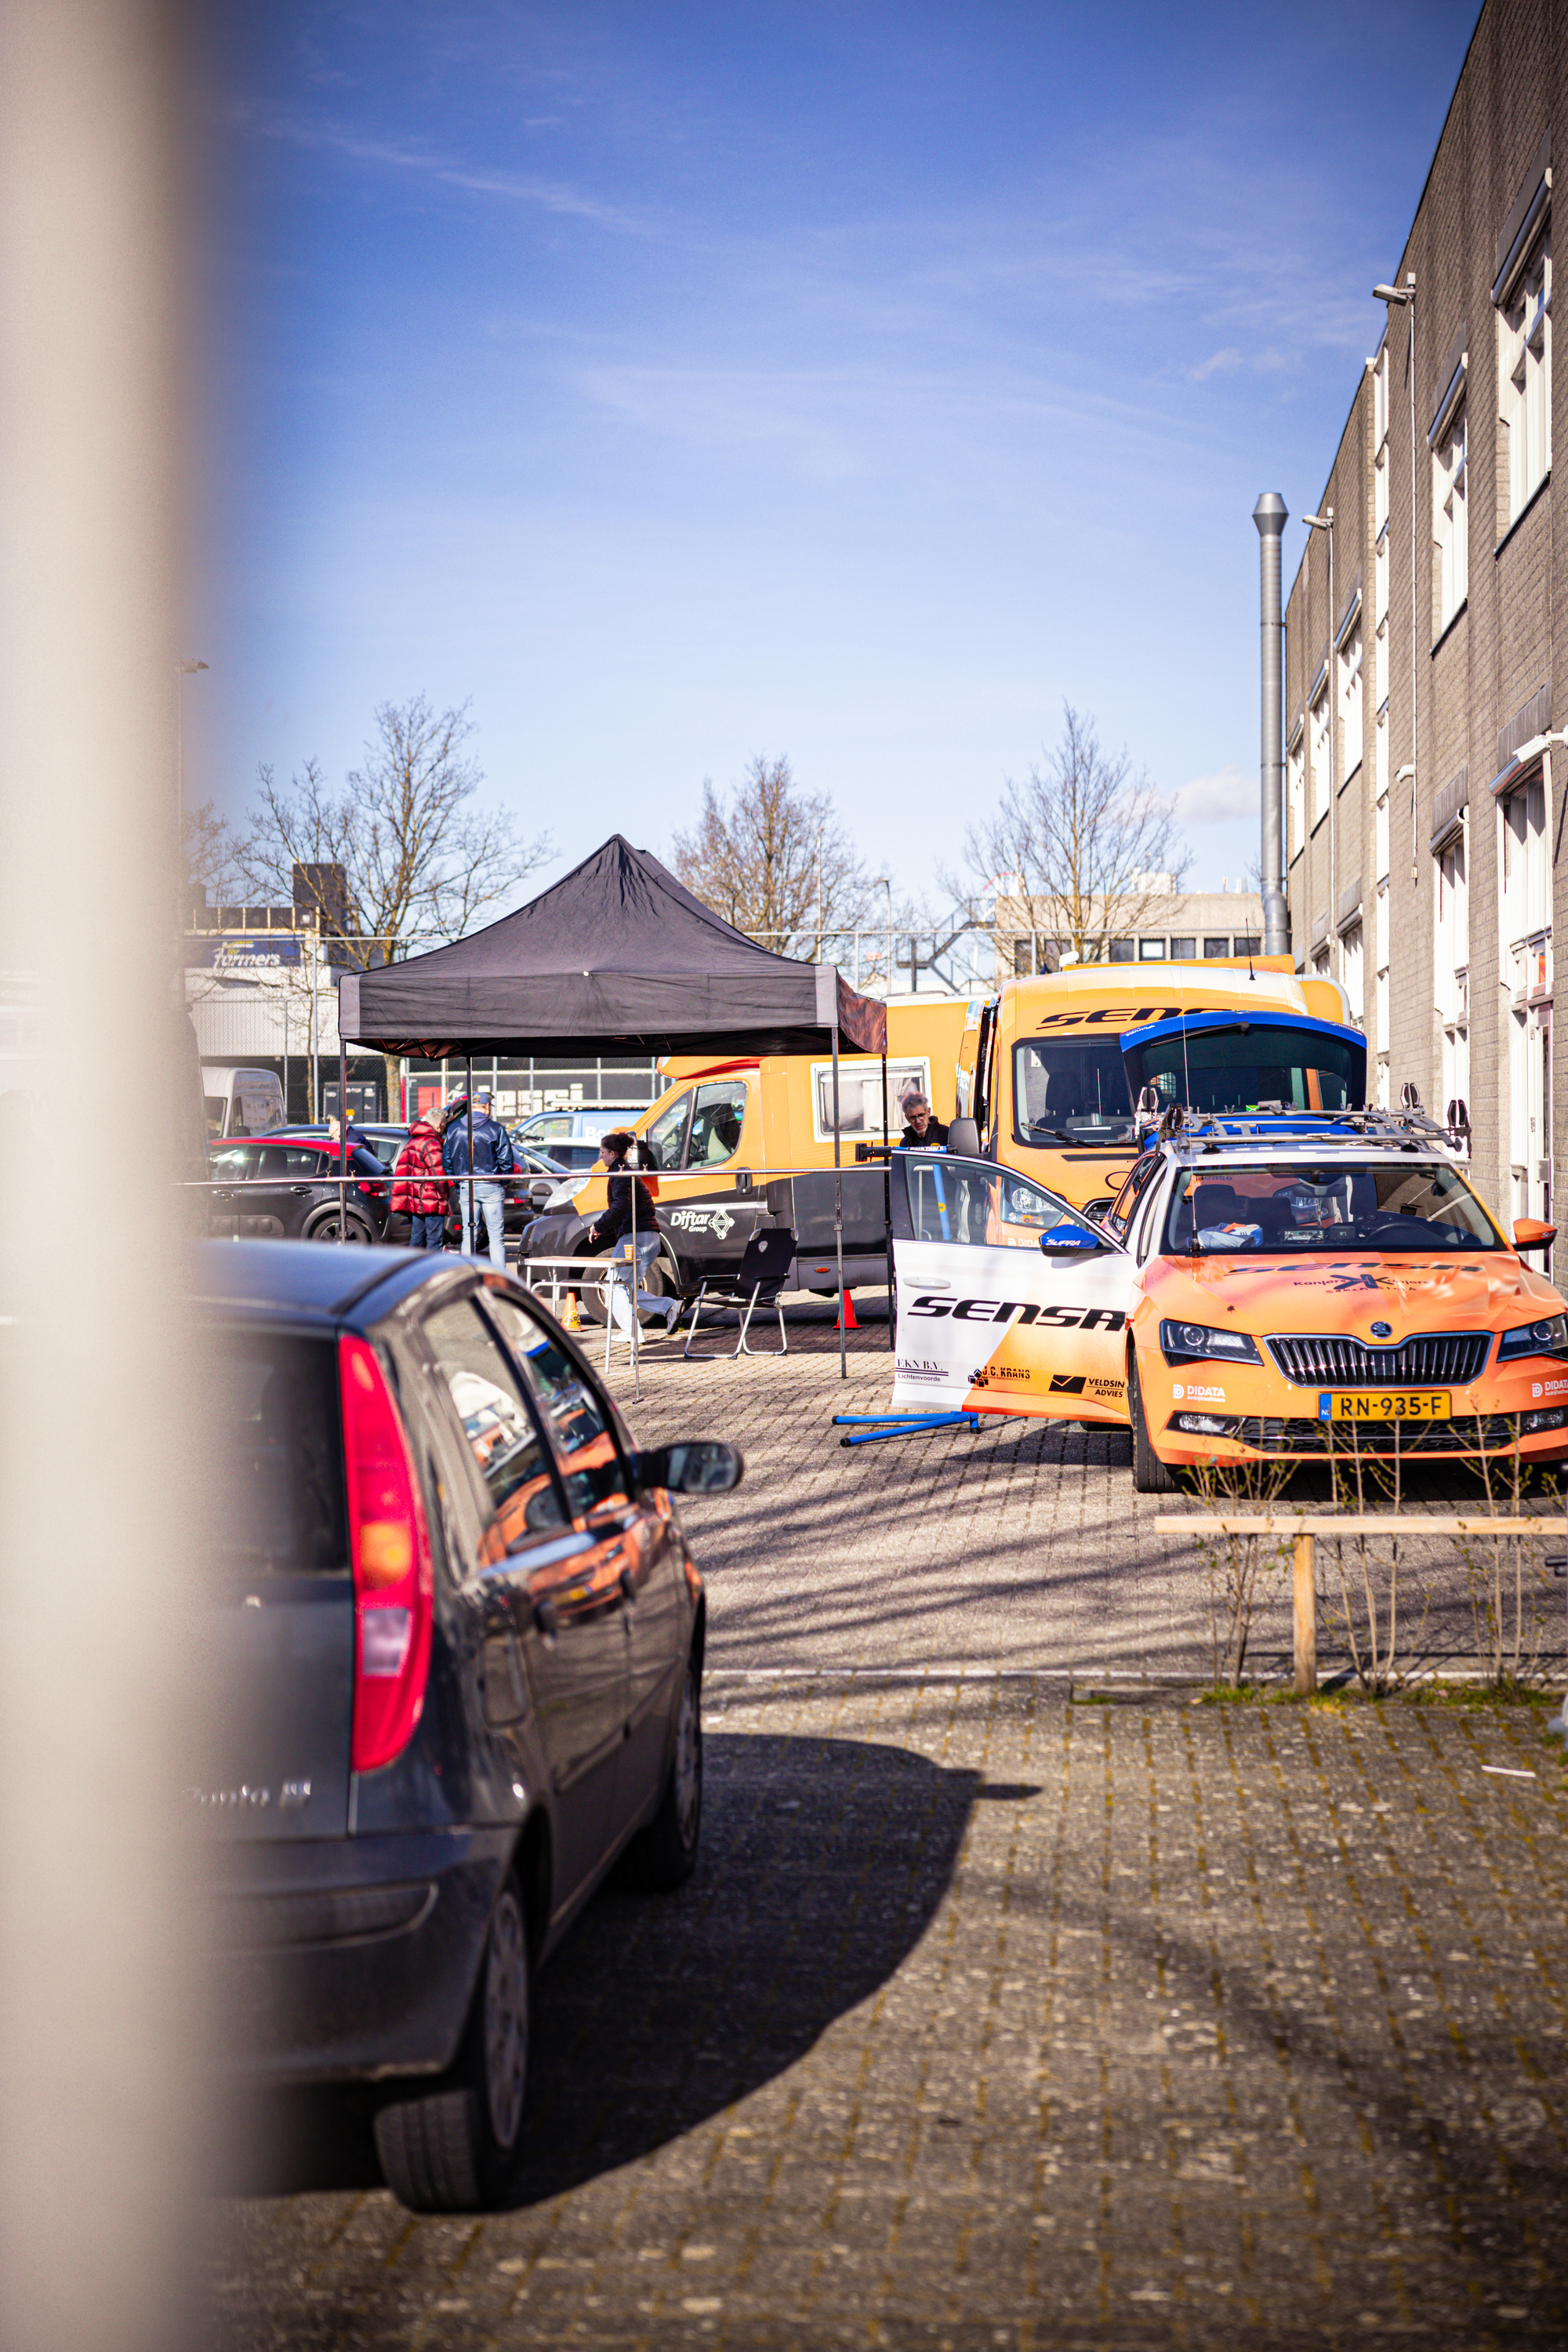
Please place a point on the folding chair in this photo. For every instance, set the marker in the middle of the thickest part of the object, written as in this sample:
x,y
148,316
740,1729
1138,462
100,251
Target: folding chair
x,y
757,1281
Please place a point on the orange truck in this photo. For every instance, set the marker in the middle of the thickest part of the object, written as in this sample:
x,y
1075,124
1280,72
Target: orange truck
x,y
740,1144
1041,1074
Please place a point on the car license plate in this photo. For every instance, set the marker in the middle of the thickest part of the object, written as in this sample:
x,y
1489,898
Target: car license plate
x,y
1383,1404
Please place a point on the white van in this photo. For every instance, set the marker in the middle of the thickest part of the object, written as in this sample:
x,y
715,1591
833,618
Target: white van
x,y
241,1102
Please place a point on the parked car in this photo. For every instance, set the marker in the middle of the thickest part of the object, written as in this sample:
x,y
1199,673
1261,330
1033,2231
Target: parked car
x,y
538,1177
574,1123
286,1188
462,1633
1268,1288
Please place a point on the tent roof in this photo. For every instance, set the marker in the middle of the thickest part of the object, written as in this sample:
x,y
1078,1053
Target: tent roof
x,y
616,953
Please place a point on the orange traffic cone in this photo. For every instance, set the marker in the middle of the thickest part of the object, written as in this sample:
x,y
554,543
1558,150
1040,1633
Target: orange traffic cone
x,y
846,1312
570,1320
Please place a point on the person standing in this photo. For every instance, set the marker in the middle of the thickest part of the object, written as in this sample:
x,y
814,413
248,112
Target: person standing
x,y
492,1161
924,1132
419,1188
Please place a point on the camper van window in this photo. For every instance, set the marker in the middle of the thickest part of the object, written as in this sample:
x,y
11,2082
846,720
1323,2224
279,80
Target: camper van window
x,y
861,1097
1070,1090
667,1137
716,1125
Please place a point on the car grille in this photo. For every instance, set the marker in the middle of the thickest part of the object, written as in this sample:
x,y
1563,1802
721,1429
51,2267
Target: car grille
x,y
1320,1360
1493,1432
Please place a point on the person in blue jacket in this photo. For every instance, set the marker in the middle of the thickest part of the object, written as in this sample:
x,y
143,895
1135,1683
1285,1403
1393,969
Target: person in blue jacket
x,y
492,1161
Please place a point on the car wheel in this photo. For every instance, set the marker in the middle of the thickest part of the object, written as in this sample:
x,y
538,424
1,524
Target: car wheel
x,y
328,1228
1149,1475
451,2150
664,1855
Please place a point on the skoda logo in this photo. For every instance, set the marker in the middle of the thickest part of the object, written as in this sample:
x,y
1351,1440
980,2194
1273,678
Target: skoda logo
x,y
1383,1331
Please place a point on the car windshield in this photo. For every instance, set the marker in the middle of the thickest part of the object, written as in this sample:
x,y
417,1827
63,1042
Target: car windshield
x,y
1249,1067
1422,1205
1070,1090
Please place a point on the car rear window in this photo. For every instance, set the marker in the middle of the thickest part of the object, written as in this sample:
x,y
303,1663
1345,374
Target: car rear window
x,y
277,1491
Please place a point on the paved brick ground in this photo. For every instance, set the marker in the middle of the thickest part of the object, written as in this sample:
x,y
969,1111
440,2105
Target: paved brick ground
x,y
996,2014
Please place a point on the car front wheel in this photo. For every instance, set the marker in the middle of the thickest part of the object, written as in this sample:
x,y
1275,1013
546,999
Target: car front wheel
x,y
452,2150
1149,1475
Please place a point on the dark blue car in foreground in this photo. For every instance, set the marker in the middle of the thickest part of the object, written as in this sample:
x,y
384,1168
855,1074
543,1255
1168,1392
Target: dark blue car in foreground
x,y
459,1638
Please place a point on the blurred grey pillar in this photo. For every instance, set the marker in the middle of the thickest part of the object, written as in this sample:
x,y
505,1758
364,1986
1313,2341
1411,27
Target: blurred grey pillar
x,y
96,1959
1271,517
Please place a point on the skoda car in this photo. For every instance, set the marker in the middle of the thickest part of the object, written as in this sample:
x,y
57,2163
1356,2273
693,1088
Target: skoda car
x,y
1296,1294
1270,1288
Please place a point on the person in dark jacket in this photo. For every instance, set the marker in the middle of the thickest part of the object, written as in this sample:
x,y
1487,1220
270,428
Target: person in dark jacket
x,y
492,1161
614,1222
419,1188
924,1132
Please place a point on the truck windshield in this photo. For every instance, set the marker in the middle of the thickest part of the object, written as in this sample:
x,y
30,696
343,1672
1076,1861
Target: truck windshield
x,y
1424,1206
1250,1068
1070,1090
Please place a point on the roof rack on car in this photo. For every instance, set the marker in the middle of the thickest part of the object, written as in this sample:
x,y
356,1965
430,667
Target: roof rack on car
x,y
1212,1131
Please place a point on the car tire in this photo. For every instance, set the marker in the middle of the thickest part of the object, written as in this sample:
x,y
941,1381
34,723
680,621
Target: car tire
x,y
453,2149
663,1856
325,1229
1149,1475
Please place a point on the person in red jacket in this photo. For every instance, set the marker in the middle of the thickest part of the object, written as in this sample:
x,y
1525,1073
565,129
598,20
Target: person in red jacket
x,y
419,1183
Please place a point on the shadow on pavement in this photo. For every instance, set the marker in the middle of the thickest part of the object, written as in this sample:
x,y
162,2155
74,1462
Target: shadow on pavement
x,y
824,1862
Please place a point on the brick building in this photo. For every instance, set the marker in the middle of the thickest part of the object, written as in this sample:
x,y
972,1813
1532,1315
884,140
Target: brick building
x,y
1426,879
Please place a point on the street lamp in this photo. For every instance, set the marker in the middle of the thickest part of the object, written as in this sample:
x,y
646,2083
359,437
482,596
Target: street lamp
x,y
183,670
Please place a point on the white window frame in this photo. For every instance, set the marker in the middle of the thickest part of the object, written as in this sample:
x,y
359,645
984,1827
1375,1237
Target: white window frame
x,y
1524,379
1451,525
1348,683
1319,720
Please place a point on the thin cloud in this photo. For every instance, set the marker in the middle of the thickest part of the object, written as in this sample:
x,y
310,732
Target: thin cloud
x,y
548,195
1228,794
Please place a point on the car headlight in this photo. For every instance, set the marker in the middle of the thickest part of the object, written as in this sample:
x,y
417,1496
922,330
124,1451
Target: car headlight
x,y
1197,1343
1547,1338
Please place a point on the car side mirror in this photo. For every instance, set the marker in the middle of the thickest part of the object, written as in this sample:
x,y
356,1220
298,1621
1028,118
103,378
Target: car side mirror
x,y
701,1466
964,1138
1065,1241
1530,1233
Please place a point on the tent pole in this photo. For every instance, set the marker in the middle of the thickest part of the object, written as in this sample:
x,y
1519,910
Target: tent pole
x,y
471,1230
888,1201
634,1158
342,1139
837,1189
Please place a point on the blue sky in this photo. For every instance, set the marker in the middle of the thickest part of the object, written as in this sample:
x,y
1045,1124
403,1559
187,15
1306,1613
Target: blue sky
x,y
682,382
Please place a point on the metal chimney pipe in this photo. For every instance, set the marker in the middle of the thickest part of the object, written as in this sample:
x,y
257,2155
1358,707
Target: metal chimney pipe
x,y
1271,517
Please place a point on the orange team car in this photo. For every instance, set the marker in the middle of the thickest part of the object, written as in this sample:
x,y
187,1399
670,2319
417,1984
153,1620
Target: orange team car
x,y
1262,1289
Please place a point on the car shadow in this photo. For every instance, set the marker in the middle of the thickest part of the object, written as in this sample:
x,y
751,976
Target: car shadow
x,y
824,1862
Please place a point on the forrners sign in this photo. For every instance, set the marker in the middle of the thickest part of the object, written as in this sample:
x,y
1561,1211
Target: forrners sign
x,y
257,952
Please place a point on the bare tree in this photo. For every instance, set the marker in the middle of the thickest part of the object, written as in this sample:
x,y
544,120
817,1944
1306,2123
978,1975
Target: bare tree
x,y
211,849
773,861
418,860
1090,848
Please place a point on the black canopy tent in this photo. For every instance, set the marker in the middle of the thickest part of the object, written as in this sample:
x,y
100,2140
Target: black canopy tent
x,y
616,953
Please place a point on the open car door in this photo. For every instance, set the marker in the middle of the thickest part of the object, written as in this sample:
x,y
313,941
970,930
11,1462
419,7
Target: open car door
x,y
1007,1299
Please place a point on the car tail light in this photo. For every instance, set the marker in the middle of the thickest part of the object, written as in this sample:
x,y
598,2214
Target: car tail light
x,y
389,1547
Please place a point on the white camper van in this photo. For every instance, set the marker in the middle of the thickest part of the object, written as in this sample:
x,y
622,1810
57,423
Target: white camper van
x,y
241,1102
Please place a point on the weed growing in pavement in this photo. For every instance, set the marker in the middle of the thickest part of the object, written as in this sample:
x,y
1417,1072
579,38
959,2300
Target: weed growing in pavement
x,y
1240,1572
1511,1586
1368,1611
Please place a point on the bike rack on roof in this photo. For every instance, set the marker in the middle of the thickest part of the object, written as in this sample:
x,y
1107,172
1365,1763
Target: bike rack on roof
x,y
1212,1131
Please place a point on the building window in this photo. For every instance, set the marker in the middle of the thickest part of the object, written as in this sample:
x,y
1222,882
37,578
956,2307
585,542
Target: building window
x,y
1184,950
1251,946
1349,701
1151,950
1382,837
1295,798
1450,534
1320,756
1216,948
1351,962
1451,969
1320,963
1024,957
1524,379
1120,951
1525,938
